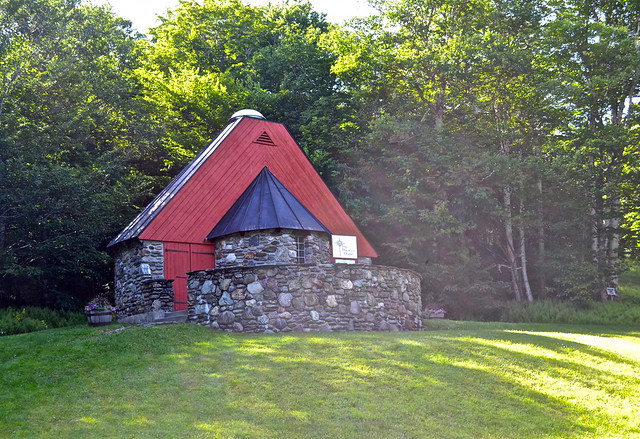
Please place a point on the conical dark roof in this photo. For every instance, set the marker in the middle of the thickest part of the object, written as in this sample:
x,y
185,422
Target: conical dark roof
x,y
266,204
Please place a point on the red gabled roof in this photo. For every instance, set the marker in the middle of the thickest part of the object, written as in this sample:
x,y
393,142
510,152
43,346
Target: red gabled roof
x,y
191,206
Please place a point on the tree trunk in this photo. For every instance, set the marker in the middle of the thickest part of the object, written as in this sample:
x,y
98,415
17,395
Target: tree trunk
x,y
439,113
2,233
542,278
510,248
599,244
613,243
523,257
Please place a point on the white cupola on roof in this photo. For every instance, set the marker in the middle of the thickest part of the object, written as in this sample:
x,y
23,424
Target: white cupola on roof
x,y
247,113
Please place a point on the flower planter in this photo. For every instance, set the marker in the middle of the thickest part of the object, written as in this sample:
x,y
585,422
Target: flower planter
x,y
99,317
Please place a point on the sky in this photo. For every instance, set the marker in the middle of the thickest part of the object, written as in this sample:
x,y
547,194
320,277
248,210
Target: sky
x,y
143,13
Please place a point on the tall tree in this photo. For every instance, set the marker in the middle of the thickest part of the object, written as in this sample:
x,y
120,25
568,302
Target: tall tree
x,y
453,75
206,60
594,55
65,104
539,95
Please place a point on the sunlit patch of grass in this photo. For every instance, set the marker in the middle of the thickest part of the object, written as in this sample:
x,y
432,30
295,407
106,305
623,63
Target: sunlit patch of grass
x,y
462,380
138,420
625,345
589,373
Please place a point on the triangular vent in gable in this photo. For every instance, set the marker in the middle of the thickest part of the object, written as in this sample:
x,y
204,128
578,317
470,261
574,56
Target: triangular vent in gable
x,y
264,139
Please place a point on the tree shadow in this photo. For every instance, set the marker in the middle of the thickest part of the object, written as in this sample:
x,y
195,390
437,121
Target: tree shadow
x,y
194,382
362,385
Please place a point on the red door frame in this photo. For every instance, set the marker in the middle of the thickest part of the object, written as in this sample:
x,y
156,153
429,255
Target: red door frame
x,y
181,258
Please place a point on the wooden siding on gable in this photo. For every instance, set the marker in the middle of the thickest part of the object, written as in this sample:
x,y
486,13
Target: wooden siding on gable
x,y
149,213
198,206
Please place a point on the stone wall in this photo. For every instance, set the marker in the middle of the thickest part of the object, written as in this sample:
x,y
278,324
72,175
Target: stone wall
x,y
134,290
154,299
306,298
271,247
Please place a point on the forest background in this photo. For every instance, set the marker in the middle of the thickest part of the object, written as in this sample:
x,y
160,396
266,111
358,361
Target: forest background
x,y
490,145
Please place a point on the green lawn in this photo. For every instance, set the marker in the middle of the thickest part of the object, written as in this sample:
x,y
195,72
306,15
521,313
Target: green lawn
x,y
455,380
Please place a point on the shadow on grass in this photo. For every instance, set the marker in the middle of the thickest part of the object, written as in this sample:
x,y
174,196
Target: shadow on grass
x,y
359,386
595,345
187,381
587,378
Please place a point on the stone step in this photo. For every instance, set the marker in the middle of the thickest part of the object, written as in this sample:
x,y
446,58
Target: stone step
x,y
176,313
173,317
170,320
155,317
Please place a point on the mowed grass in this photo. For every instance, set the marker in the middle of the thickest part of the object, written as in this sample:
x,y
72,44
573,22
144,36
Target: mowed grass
x,y
454,380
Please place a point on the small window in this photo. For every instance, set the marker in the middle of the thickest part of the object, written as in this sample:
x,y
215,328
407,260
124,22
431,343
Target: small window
x,y
300,250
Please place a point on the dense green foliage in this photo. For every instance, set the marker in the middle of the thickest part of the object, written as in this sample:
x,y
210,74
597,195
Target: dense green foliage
x,y
625,310
501,157
549,311
207,60
184,381
630,285
29,319
65,181
490,145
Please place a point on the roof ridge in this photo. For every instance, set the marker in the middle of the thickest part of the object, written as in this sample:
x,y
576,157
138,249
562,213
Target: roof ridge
x,y
275,182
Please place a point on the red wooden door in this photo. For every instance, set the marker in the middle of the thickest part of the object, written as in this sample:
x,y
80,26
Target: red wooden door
x,y
176,265
181,258
202,256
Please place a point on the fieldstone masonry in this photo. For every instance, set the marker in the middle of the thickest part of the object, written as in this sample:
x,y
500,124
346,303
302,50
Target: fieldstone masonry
x,y
138,293
264,284
271,247
154,299
306,298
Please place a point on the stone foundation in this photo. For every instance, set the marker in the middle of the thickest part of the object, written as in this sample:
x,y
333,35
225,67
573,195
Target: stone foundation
x,y
153,300
272,247
135,291
306,298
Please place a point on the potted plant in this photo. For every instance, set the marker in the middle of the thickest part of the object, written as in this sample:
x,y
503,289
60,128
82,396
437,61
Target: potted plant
x,y
99,311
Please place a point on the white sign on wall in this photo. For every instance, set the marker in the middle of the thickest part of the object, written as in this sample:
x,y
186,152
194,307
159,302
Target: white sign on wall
x,y
344,246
